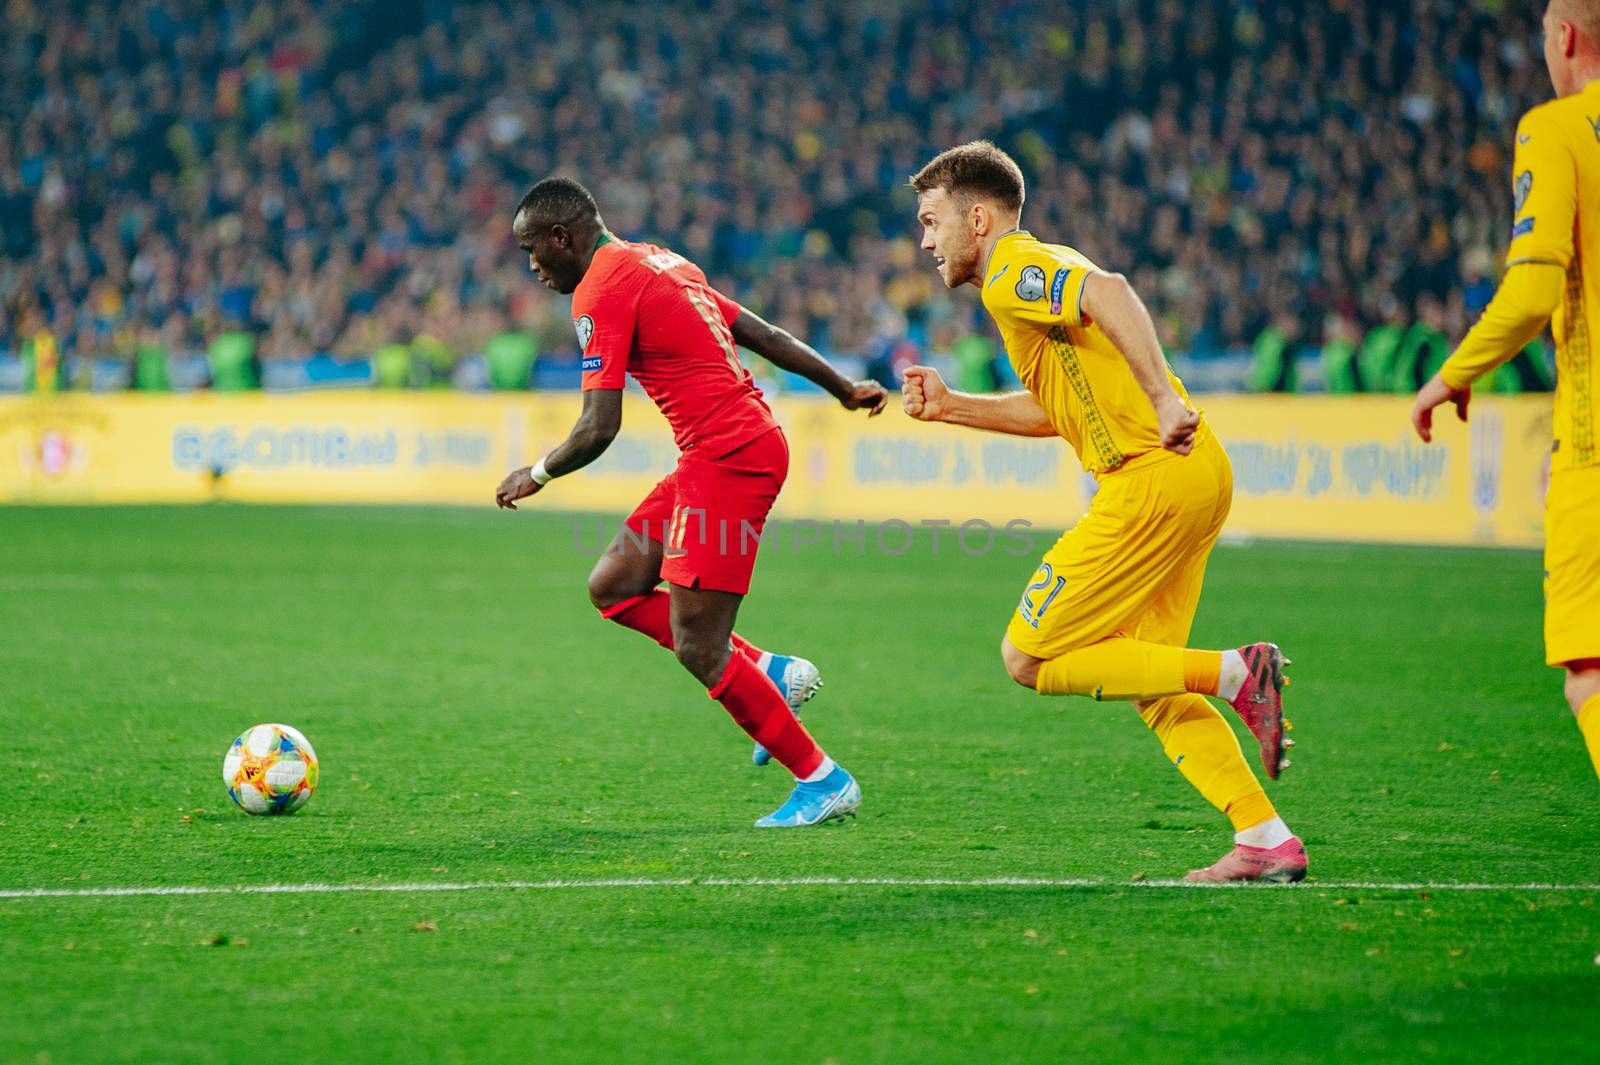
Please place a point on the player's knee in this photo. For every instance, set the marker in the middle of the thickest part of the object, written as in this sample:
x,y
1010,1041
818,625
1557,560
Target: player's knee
x,y
706,659
609,585
1022,668
1025,673
1583,683
600,594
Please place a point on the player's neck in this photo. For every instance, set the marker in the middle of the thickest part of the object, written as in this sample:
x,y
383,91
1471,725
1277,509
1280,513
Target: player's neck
x,y
986,246
595,241
1585,71
1587,78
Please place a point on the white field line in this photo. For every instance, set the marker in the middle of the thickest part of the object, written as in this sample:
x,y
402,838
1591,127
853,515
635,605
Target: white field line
x,y
744,882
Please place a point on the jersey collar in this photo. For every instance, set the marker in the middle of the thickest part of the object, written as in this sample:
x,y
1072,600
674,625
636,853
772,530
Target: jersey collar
x,y
1007,235
605,238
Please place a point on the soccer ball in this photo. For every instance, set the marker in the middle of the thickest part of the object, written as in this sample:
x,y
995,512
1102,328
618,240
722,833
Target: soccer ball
x,y
271,769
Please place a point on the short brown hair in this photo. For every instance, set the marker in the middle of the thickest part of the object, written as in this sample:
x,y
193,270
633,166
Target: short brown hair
x,y
1584,14
978,169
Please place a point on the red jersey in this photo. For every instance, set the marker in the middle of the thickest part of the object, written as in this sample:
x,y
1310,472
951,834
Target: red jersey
x,y
648,311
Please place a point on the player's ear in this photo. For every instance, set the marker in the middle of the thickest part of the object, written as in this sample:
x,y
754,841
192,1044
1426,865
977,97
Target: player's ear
x,y
978,215
560,236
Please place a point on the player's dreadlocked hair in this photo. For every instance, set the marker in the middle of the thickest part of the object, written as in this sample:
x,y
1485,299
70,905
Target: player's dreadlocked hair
x,y
558,201
975,169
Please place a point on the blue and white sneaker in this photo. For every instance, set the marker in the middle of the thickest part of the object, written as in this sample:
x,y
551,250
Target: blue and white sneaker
x,y
836,795
798,680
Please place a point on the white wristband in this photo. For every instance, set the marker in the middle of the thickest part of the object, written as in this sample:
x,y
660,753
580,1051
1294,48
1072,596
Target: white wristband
x,y
540,475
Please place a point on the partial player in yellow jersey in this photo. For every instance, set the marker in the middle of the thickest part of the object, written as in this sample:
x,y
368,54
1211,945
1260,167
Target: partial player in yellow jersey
x,y
1108,612
1553,275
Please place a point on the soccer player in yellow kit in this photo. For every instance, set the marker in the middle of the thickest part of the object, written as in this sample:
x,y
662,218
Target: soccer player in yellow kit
x,y
1553,272
1109,609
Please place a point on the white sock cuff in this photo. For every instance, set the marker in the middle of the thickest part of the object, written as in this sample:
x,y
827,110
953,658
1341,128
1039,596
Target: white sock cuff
x,y
821,771
1267,835
1232,676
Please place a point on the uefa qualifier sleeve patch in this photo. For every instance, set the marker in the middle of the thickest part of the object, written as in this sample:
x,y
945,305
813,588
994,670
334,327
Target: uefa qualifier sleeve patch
x,y
585,328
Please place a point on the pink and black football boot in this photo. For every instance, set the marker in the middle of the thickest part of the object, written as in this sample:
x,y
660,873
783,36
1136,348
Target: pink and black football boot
x,y
1260,703
1283,864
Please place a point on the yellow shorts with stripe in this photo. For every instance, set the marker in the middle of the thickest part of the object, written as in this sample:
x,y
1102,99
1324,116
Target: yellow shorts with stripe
x,y
1134,564
1572,566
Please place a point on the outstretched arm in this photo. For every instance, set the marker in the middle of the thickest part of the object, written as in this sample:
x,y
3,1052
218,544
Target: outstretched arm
x,y
926,398
1112,304
782,349
596,427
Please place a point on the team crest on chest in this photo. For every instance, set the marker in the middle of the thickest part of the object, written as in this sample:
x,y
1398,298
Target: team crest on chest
x,y
585,328
1030,286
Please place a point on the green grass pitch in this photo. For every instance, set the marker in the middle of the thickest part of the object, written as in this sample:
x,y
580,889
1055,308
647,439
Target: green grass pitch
x,y
478,723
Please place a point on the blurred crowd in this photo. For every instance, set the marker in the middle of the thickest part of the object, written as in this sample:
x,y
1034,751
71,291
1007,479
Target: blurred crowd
x,y
330,178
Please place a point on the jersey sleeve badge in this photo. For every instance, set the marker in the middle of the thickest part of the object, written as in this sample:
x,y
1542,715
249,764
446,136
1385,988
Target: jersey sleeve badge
x,y
1030,284
585,328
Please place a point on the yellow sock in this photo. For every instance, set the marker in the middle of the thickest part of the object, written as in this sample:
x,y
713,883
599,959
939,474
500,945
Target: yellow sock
x,y
1202,671
1199,742
1251,810
1589,725
1114,669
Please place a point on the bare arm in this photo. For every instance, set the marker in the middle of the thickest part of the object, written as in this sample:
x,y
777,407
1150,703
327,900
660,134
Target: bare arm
x,y
926,398
1112,304
781,348
1526,299
596,427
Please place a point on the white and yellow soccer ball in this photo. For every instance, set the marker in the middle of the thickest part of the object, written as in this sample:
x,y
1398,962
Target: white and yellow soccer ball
x,y
270,769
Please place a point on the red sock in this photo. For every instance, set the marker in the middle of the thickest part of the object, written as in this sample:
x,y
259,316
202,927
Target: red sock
x,y
749,695
651,614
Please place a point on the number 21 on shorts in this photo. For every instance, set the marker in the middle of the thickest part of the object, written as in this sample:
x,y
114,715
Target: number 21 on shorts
x,y
1043,578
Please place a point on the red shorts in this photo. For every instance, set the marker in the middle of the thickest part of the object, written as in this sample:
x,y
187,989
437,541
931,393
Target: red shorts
x,y
709,513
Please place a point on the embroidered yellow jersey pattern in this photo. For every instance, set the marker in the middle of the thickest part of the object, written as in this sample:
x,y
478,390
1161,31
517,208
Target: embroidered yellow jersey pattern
x,y
1034,293
1556,174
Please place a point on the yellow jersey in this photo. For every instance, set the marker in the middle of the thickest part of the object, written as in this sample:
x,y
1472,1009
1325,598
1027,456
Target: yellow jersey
x,y
1557,170
1034,293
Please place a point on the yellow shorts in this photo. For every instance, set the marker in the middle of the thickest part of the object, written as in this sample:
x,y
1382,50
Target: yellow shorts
x,y
1572,566
1133,565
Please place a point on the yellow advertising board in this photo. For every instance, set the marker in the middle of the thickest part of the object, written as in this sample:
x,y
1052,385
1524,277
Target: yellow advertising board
x,y
1351,468
1320,468
1326,468
322,447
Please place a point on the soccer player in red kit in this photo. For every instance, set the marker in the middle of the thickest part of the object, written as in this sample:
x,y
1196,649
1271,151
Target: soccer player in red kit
x,y
647,311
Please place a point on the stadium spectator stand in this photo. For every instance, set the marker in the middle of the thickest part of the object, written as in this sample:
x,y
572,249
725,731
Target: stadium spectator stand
x,y
292,194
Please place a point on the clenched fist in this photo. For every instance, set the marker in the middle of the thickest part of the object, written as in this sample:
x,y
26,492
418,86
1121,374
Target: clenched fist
x,y
1177,422
923,394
